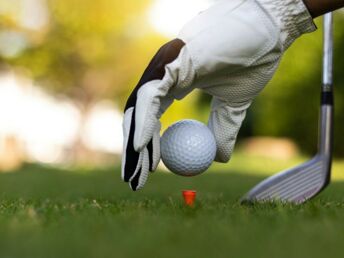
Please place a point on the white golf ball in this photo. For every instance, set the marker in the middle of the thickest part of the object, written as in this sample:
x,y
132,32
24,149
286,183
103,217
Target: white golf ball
x,y
188,148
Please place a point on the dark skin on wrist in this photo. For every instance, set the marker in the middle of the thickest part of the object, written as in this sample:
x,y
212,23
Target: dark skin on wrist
x,y
320,7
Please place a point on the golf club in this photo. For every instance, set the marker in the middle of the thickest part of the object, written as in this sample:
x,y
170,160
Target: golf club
x,y
303,182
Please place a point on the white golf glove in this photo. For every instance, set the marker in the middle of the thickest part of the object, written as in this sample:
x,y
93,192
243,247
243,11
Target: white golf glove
x,y
229,51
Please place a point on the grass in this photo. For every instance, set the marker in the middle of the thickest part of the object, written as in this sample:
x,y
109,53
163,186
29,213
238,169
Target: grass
x,y
46,212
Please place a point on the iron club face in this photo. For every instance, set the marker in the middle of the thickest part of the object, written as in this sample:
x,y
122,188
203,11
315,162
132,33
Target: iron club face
x,y
295,185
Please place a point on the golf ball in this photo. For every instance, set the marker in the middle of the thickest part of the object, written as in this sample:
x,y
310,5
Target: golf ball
x,y
188,148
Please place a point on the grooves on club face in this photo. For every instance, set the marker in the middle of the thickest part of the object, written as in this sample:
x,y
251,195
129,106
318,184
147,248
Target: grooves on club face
x,y
303,182
295,185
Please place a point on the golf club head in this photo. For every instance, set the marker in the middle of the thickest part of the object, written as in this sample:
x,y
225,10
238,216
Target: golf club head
x,y
303,182
295,185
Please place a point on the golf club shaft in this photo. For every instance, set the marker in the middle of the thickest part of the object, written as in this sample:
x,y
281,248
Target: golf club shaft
x,y
328,53
326,116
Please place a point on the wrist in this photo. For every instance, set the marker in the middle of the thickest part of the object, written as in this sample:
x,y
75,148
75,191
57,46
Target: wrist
x,y
292,17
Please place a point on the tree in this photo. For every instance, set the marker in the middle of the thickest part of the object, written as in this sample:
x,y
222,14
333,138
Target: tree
x,y
89,50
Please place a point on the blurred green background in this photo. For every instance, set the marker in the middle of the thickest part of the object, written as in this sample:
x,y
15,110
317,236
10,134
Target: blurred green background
x,y
88,52
85,52
66,70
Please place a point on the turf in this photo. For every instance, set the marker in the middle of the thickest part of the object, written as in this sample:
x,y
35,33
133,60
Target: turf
x,y
46,212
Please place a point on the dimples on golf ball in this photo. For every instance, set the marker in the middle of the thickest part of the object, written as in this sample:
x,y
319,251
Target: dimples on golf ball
x,y
188,148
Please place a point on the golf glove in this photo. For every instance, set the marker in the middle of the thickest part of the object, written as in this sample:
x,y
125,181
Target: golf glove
x,y
229,51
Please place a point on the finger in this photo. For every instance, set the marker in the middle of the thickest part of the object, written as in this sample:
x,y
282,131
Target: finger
x,y
156,68
154,97
146,117
167,69
154,71
140,178
155,153
154,144
225,121
130,158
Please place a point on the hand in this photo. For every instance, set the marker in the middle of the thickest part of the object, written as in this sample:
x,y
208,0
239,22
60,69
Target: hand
x,y
229,51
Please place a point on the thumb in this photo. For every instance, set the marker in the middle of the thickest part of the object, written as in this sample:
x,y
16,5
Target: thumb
x,y
148,109
225,121
154,97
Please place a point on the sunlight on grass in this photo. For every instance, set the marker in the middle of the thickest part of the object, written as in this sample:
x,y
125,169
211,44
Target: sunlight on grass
x,y
257,165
